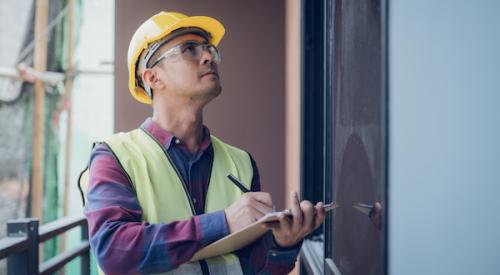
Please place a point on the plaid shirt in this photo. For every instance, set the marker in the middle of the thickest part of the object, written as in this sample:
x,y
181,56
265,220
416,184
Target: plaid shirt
x,y
124,244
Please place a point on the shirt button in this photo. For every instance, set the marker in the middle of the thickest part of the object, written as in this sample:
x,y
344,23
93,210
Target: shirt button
x,y
194,200
274,254
177,141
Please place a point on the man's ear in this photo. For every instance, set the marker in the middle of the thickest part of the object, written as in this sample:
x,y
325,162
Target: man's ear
x,y
150,77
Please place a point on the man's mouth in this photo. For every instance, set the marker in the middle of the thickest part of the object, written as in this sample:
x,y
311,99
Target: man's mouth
x,y
210,73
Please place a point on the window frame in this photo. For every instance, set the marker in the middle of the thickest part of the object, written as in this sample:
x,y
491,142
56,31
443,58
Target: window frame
x,y
316,123
312,124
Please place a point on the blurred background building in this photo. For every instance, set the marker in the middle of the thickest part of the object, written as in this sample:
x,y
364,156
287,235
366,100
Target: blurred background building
x,y
89,107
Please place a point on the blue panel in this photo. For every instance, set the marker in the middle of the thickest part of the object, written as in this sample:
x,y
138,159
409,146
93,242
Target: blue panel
x,y
444,87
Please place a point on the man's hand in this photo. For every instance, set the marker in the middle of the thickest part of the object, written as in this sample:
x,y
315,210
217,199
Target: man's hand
x,y
249,208
288,231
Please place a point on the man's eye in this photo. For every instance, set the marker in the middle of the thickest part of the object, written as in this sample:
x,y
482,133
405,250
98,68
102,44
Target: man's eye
x,y
191,48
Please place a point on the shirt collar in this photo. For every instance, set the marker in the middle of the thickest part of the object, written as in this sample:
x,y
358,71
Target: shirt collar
x,y
167,139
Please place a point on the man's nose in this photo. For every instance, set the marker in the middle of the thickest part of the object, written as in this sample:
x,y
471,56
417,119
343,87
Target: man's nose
x,y
206,57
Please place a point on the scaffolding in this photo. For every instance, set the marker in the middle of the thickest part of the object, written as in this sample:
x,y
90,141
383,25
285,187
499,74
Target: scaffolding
x,y
35,90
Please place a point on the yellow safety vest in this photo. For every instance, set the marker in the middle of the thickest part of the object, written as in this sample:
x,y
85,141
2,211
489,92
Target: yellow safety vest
x,y
163,195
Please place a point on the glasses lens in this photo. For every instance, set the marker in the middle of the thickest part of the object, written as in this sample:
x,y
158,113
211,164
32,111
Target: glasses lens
x,y
191,50
214,52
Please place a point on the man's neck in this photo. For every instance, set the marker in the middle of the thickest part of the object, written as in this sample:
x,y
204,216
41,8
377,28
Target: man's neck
x,y
184,123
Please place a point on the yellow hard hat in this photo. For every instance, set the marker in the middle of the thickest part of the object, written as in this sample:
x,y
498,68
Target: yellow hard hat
x,y
158,27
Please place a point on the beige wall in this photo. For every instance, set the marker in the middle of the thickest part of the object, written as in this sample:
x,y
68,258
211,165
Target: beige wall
x,y
292,103
292,106
250,113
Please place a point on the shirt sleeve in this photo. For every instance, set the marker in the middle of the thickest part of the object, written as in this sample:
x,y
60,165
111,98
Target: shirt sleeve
x,y
264,256
121,241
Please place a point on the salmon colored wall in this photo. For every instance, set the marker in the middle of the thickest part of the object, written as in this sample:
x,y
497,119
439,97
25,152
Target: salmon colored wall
x,y
292,103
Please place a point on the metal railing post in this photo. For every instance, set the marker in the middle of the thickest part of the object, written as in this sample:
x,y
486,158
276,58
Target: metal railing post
x,y
26,262
85,258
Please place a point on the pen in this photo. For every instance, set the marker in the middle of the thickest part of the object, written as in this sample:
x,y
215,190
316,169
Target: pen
x,y
237,182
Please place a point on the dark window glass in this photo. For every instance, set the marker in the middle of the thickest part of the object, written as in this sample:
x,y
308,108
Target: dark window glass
x,y
357,138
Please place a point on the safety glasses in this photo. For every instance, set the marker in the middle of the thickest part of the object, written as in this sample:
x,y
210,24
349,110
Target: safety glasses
x,y
190,50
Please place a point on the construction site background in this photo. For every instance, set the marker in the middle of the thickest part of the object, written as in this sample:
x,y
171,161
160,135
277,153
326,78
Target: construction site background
x,y
84,106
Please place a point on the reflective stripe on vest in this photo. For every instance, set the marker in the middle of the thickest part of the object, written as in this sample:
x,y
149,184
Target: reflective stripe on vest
x,y
160,189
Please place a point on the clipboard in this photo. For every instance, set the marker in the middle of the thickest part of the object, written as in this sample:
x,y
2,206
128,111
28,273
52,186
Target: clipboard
x,y
244,236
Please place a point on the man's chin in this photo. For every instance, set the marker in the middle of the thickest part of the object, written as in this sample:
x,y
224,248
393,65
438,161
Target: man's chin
x,y
210,92
214,89
218,90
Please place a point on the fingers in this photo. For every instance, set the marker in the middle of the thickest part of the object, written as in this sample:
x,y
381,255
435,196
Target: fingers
x,y
260,202
296,210
247,216
309,216
248,209
289,230
305,216
284,222
262,197
320,214
261,208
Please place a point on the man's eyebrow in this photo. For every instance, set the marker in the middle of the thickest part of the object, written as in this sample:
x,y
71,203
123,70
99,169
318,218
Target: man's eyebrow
x,y
187,41
195,41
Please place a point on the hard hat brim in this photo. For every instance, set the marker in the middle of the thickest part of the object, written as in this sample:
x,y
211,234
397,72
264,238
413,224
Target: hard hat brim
x,y
210,25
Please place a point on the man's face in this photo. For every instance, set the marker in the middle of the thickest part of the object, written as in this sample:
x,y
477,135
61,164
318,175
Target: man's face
x,y
194,78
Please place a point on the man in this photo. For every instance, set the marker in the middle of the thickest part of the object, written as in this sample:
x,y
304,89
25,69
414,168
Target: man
x,y
158,194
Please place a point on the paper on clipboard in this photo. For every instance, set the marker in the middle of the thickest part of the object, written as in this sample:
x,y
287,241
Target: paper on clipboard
x,y
243,237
